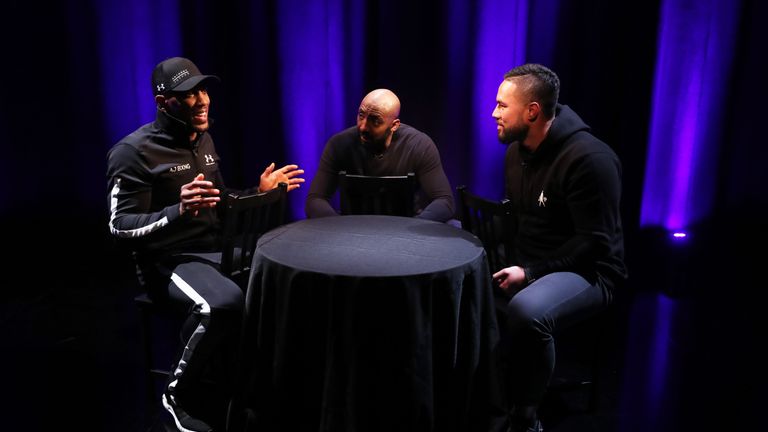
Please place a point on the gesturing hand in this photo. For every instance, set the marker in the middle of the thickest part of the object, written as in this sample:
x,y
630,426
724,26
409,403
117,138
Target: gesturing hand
x,y
287,174
198,194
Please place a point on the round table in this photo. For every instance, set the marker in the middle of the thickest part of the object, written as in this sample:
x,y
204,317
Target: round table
x,y
368,323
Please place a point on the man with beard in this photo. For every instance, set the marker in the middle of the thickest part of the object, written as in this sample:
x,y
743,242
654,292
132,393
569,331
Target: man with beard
x,y
565,185
380,145
164,185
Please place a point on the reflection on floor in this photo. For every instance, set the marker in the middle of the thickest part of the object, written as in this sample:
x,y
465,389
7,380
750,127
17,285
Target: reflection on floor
x,y
682,353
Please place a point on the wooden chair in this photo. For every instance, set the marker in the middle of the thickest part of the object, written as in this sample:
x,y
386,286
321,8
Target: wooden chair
x,y
244,219
493,223
381,195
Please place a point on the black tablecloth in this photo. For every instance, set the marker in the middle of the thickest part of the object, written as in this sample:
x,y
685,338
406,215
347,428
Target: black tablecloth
x,y
368,323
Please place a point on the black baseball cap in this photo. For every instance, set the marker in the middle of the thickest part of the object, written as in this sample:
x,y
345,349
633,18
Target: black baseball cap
x,y
177,74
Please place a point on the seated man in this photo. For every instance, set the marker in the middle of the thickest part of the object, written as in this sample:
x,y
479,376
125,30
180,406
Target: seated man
x,y
568,263
165,183
382,146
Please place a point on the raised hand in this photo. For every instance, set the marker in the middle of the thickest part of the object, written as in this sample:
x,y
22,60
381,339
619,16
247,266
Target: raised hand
x,y
287,174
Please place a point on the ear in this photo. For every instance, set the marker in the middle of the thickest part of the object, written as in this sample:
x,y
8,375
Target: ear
x,y
160,102
534,109
395,125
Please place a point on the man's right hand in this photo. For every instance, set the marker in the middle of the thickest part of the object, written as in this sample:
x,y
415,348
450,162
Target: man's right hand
x,y
198,194
510,279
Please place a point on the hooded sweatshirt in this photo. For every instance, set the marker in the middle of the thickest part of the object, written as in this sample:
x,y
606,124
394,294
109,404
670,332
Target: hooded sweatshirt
x,y
566,197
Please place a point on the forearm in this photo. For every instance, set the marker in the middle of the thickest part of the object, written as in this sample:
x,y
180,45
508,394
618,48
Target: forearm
x,y
577,255
316,207
322,188
436,188
440,210
135,225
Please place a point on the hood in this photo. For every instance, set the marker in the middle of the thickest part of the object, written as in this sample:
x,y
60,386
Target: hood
x,y
566,124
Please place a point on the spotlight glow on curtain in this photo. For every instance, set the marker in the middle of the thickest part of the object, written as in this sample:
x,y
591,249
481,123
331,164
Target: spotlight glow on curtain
x,y
694,57
320,64
695,47
501,42
135,36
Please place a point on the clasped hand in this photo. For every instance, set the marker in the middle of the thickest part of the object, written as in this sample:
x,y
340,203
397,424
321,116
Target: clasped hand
x,y
198,194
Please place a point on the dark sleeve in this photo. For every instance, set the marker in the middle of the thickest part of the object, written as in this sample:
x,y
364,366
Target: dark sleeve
x,y
224,190
130,196
324,185
593,199
434,184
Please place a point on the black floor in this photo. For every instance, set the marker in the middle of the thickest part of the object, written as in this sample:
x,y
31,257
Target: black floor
x,y
684,350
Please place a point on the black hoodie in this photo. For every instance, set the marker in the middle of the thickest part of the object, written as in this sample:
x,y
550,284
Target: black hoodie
x,y
567,195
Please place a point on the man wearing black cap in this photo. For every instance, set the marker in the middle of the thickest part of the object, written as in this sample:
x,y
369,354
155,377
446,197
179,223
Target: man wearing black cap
x,y
164,184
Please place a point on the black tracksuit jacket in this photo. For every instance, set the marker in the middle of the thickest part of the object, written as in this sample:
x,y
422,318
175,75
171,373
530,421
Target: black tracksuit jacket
x,y
145,172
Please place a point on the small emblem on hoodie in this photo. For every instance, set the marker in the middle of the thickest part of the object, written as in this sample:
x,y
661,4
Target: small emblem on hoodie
x,y
542,199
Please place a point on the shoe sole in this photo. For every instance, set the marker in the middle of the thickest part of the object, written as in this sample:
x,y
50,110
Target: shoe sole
x,y
176,421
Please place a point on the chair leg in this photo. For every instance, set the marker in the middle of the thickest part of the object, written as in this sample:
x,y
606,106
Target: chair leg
x,y
146,335
147,316
595,369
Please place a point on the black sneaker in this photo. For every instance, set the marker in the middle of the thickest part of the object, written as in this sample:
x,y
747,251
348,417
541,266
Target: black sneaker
x,y
535,426
184,421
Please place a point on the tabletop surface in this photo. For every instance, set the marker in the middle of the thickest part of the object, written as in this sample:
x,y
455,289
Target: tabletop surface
x,y
369,245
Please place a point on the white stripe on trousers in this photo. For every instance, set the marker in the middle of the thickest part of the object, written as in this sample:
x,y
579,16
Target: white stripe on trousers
x,y
205,316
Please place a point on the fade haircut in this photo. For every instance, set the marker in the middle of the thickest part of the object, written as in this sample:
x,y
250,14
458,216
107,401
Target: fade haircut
x,y
539,84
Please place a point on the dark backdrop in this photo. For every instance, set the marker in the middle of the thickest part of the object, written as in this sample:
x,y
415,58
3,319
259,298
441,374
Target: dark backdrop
x,y
67,96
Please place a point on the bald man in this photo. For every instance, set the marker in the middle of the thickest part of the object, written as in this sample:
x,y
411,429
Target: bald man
x,y
380,145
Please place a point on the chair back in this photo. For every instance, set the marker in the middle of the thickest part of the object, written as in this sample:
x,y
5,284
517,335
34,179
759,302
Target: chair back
x,y
379,195
492,222
246,218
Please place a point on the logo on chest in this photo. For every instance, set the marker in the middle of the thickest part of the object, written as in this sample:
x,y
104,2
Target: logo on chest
x,y
542,199
180,168
209,160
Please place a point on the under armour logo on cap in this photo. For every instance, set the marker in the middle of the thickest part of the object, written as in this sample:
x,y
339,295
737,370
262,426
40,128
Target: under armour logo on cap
x,y
177,74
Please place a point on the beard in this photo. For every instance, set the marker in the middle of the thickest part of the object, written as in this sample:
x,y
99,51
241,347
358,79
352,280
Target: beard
x,y
514,133
375,144
199,128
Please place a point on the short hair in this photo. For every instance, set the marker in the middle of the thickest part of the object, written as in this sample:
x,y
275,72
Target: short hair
x,y
539,83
